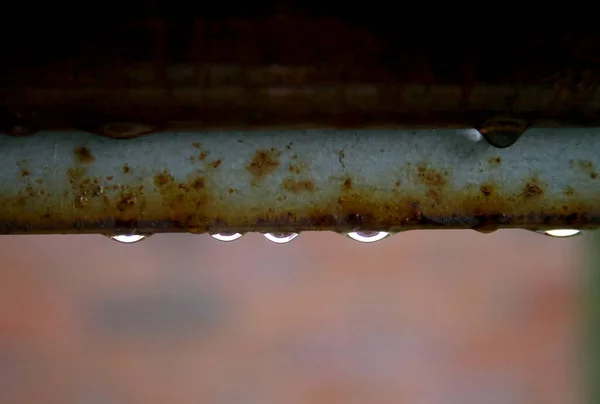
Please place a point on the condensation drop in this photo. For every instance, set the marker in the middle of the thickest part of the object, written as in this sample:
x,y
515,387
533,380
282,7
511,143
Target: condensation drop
x,y
281,238
227,236
128,238
471,134
562,232
368,236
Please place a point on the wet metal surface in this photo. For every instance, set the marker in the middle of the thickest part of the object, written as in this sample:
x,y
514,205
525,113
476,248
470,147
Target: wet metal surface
x,y
393,180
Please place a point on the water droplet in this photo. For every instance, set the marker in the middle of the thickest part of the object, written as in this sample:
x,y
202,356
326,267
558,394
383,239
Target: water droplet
x,y
128,238
471,134
227,236
562,233
368,236
281,238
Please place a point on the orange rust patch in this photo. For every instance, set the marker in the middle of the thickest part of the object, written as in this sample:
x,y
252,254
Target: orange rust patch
x,y
264,162
83,188
297,168
25,173
163,178
532,189
83,155
109,178
291,185
216,163
486,190
495,161
430,176
126,201
587,167
198,183
348,184
187,203
203,154
126,169
232,190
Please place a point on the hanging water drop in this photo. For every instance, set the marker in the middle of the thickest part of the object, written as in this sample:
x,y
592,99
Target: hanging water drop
x,y
562,233
227,236
368,236
128,238
281,238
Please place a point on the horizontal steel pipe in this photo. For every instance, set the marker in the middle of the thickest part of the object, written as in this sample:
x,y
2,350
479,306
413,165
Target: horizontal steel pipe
x,y
339,180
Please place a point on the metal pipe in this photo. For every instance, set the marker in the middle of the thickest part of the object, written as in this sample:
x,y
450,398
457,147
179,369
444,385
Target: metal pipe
x,y
309,65
290,181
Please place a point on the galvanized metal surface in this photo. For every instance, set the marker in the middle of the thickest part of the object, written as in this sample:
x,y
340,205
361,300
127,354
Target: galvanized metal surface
x,y
68,182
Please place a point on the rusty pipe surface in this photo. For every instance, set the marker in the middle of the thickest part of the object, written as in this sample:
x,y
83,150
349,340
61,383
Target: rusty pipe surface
x,y
288,64
339,180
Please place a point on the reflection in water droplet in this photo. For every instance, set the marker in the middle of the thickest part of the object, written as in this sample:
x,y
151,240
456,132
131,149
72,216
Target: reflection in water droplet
x,y
128,238
563,232
227,236
472,134
281,238
368,236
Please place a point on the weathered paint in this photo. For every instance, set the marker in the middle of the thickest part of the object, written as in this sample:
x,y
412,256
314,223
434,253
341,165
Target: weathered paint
x,y
66,182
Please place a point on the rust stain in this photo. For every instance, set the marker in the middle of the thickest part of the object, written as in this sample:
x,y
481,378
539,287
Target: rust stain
x,y
291,185
163,178
532,189
25,173
188,203
487,190
84,189
495,161
109,178
126,201
83,155
196,145
216,163
39,181
232,190
569,191
347,184
197,183
126,169
294,156
587,167
264,162
203,154
429,176
297,168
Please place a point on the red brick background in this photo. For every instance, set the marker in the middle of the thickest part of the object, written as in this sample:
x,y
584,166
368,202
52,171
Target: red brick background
x,y
446,317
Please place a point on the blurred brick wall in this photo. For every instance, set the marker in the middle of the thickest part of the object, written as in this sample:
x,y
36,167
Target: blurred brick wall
x,y
446,317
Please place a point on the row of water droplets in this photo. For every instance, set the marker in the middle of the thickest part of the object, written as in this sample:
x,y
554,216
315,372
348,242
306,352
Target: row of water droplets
x,y
361,236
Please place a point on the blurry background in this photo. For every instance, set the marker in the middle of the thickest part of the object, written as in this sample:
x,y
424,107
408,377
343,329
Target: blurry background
x,y
426,317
